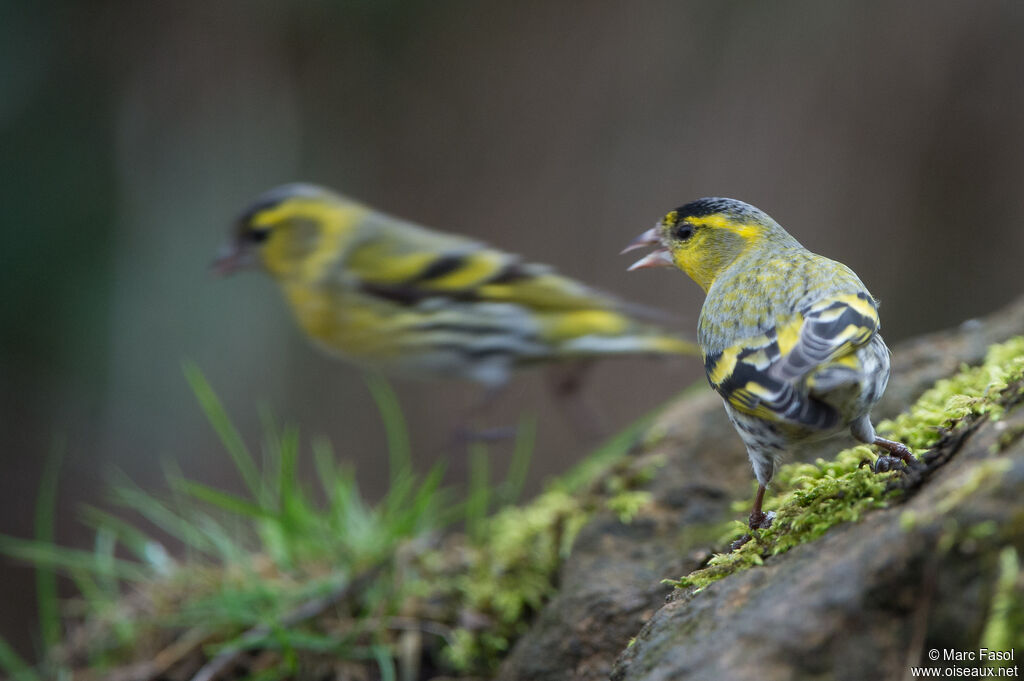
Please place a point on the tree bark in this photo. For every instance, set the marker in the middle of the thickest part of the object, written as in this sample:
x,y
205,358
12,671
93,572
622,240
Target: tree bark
x,y
867,600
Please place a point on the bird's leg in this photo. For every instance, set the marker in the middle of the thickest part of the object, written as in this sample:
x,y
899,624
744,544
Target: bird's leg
x,y
565,382
566,379
898,458
466,431
759,520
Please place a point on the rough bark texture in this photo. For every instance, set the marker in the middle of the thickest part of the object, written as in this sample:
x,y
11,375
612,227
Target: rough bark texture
x,y
864,601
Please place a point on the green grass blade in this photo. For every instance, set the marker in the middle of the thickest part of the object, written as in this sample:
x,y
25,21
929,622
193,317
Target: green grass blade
x,y
103,550
60,558
295,507
327,472
15,667
225,501
385,663
399,450
421,510
478,496
221,422
202,530
145,548
228,542
46,578
98,600
429,498
519,465
126,493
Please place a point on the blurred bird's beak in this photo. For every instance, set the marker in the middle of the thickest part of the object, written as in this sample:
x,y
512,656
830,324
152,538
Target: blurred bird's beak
x,y
230,258
658,258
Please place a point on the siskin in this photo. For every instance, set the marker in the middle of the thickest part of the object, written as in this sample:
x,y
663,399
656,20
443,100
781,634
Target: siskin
x,y
790,338
390,295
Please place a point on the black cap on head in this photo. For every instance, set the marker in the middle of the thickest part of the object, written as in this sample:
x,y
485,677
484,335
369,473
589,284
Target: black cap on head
x,y
713,205
272,197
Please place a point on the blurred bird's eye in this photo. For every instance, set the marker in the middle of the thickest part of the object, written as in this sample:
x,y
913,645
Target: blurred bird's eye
x,y
683,231
258,234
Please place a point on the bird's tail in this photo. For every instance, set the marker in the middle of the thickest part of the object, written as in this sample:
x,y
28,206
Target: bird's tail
x,y
593,333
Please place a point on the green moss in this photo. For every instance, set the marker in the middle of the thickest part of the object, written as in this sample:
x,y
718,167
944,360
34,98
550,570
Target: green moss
x,y
1004,629
627,504
809,499
511,572
972,391
621,487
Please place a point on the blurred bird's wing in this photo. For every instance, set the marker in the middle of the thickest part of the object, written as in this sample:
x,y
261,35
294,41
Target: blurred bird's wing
x,y
406,264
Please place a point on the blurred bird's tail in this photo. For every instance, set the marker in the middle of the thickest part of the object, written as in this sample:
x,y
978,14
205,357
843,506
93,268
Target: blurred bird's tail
x,y
597,333
662,343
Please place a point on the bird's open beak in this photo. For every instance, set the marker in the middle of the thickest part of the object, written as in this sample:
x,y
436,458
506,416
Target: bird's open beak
x,y
657,258
231,258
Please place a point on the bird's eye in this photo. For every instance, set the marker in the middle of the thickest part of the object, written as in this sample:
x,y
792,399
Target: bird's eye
x,y
258,234
682,231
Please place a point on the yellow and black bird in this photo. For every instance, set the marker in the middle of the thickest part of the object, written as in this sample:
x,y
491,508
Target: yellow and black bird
x,y
789,338
396,297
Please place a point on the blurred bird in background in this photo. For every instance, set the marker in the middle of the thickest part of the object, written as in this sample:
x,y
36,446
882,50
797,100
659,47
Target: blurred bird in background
x,y
790,338
404,300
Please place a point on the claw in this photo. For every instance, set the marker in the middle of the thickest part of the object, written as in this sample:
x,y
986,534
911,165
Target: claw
x,y
886,463
899,457
759,520
736,545
762,520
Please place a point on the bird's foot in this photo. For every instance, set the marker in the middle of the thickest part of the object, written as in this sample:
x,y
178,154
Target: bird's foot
x,y
885,463
759,520
898,458
736,545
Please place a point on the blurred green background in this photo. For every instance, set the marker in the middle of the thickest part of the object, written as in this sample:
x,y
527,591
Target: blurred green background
x,y
887,135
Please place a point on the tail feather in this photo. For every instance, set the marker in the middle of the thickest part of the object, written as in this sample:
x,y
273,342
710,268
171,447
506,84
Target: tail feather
x,y
640,344
831,378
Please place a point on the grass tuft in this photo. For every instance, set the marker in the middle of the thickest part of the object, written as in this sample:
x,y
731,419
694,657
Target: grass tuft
x,y
290,574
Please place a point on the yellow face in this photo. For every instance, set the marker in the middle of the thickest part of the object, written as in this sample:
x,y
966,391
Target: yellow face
x,y
287,234
704,237
294,231
704,246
